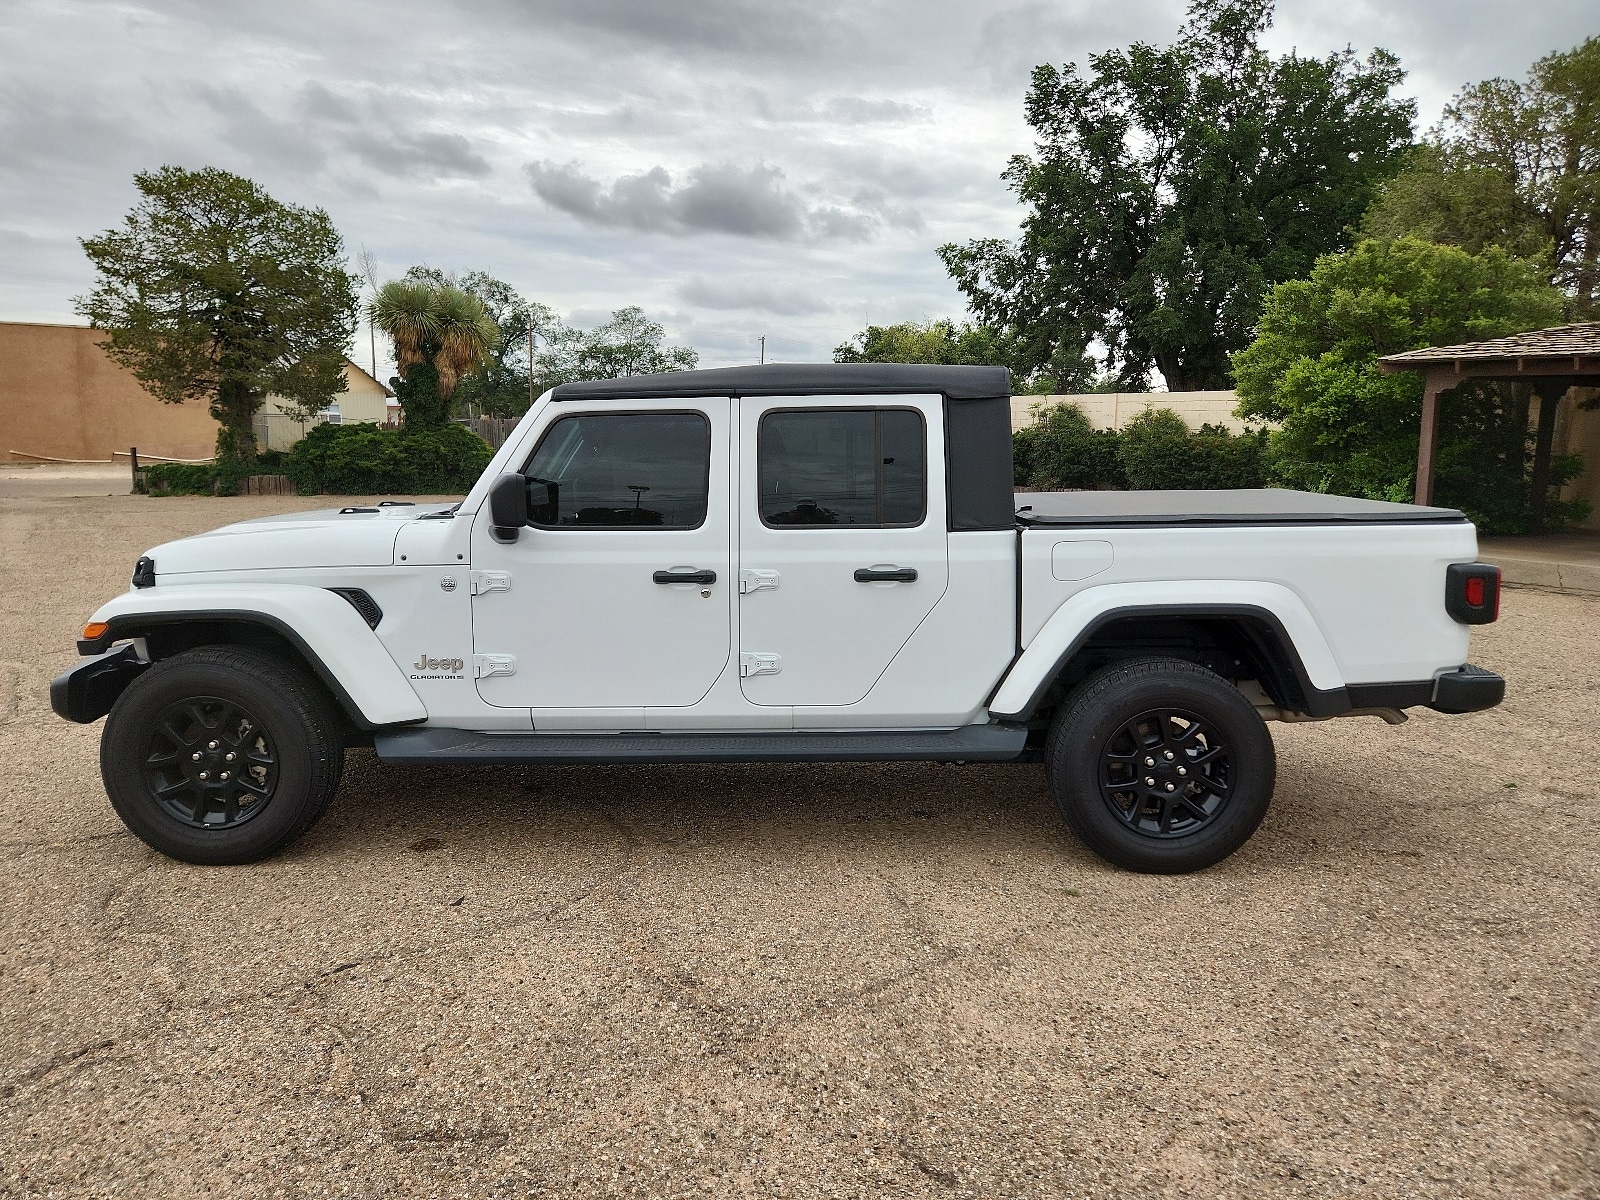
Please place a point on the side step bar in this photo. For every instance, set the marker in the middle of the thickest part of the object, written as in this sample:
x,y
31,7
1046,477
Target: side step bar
x,y
460,747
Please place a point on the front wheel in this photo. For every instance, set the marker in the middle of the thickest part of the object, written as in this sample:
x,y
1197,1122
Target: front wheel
x,y
1160,765
221,755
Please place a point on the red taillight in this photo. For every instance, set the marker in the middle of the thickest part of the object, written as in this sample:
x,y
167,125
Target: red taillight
x,y
1472,592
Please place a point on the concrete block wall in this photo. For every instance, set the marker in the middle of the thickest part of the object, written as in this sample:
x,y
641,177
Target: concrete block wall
x,y
1113,410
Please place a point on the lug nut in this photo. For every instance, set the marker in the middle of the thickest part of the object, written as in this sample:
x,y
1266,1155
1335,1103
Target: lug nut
x,y
224,775
1181,770
195,756
205,775
1149,762
229,758
1171,787
1167,755
1148,781
213,746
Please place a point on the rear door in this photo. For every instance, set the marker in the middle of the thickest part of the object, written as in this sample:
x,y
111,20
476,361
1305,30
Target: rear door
x,y
841,541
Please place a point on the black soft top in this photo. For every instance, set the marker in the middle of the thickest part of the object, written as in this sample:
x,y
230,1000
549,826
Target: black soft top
x,y
802,379
1264,506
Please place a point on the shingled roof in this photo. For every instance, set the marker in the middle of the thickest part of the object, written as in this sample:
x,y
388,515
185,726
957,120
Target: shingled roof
x,y
1572,342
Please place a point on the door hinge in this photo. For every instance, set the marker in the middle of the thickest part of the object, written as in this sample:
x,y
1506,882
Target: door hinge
x,y
754,581
485,665
758,664
490,581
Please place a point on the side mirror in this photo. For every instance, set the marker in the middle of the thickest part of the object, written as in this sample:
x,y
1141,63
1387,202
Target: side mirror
x,y
508,507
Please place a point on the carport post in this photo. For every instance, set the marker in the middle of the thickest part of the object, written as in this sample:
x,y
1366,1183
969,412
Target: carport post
x,y
133,457
1434,382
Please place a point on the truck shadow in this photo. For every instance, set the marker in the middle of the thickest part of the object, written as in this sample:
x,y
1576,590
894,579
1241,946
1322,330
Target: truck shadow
x,y
700,803
765,809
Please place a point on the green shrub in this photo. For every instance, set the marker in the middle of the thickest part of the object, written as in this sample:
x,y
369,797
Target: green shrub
x,y
372,460
1061,450
176,479
1159,452
205,479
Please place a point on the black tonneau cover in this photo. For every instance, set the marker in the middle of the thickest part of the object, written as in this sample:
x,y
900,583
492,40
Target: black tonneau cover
x,y
1266,506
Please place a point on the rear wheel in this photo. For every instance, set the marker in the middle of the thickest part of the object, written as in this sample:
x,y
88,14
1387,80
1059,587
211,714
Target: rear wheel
x,y
1160,765
221,755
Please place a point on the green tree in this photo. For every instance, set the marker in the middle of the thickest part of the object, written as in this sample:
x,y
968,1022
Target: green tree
x,y
498,387
440,333
945,342
628,344
213,291
1172,188
1350,428
1514,165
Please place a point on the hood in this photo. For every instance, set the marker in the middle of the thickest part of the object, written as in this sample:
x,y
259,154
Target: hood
x,y
356,536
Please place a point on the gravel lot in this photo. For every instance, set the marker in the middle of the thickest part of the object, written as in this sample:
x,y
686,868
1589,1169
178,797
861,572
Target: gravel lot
x,y
799,980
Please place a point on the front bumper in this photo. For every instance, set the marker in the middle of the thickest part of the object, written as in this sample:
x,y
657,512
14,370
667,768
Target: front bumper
x,y
87,692
1467,689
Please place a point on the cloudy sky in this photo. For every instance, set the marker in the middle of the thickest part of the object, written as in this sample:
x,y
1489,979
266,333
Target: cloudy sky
x,y
736,167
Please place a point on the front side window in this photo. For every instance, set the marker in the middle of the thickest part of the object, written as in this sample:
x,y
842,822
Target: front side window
x,y
621,471
842,466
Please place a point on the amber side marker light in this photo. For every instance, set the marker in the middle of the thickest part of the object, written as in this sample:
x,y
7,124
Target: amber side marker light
x,y
94,629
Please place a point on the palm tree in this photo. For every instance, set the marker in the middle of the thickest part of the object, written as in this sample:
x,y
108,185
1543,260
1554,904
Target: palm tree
x,y
467,334
442,327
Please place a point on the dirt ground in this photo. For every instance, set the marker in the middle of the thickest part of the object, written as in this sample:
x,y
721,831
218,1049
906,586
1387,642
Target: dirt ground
x,y
800,980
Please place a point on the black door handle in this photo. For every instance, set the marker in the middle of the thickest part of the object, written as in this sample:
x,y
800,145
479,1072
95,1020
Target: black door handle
x,y
685,577
893,575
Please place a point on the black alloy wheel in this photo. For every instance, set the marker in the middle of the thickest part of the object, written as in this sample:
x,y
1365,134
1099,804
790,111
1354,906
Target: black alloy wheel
x,y
1166,773
211,763
1160,765
222,754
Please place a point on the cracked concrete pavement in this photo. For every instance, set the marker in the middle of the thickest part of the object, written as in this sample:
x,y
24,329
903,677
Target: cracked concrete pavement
x,y
801,980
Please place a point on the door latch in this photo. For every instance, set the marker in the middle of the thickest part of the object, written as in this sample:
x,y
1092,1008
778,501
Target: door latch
x,y
485,665
758,664
490,581
754,581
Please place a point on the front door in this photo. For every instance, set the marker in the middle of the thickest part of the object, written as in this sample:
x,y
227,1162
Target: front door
x,y
617,595
841,541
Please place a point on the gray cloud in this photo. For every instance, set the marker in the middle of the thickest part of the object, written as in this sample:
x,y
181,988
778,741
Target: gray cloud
x,y
725,198
880,131
780,299
319,126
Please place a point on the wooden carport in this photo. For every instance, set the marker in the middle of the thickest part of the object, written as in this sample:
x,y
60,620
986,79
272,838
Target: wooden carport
x,y
1552,360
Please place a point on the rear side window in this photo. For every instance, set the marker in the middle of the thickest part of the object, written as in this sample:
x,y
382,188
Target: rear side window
x,y
842,466
621,471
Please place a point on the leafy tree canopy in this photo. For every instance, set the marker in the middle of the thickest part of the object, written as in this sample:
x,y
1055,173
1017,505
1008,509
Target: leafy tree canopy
x,y
1172,188
1514,165
499,386
440,333
947,343
1350,428
628,344
213,291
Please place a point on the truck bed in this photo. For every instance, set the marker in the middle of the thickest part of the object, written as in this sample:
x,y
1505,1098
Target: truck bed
x,y
1265,506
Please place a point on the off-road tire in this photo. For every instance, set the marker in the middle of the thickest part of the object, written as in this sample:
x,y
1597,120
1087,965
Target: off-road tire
x,y
1139,822
290,723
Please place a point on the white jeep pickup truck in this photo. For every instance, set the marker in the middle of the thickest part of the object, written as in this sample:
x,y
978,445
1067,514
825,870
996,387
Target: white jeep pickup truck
x,y
787,563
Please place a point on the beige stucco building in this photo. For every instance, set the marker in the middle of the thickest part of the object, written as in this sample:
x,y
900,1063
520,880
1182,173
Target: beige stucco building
x,y
61,397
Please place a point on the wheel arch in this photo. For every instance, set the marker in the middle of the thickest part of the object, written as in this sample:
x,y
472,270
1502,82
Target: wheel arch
x,y
313,627
1236,640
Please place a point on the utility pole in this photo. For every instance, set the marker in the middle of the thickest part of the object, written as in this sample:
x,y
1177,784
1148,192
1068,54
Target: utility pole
x,y
531,396
763,340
